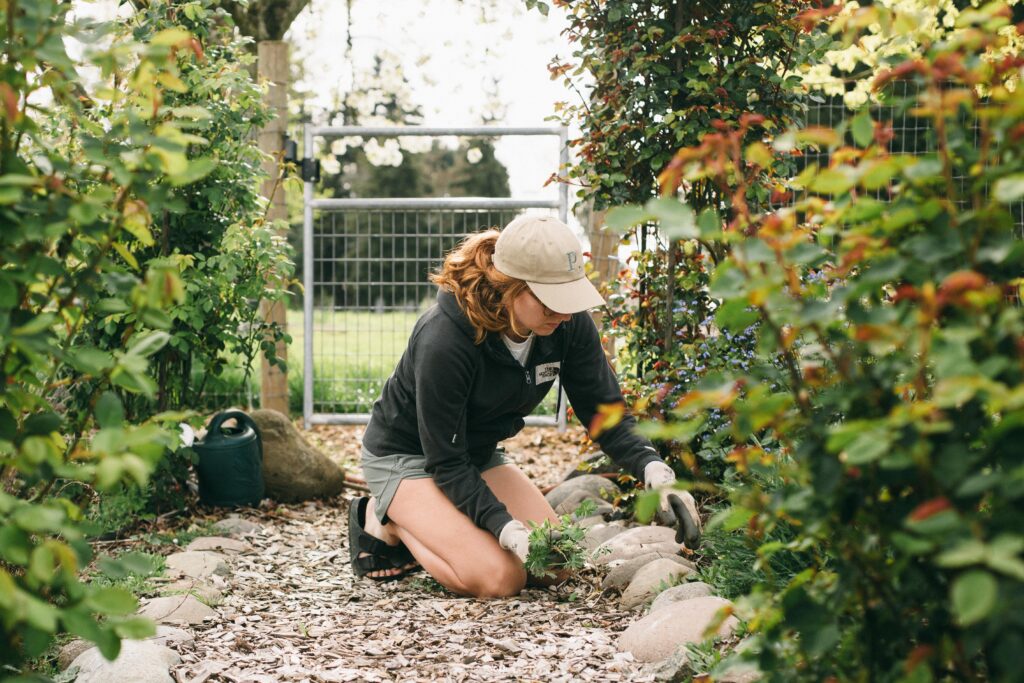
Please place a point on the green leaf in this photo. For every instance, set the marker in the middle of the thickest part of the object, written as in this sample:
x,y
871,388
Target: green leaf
x,y
81,623
677,220
646,506
623,218
112,601
38,518
196,170
967,553
147,344
89,360
833,181
15,545
973,595
1009,189
735,315
8,294
710,224
127,564
862,128
109,411
135,628
40,614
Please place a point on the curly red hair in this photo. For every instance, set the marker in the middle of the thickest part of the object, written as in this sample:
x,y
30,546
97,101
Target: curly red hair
x,y
484,293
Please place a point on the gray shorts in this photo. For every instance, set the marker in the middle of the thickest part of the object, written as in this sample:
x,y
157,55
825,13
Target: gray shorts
x,y
383,474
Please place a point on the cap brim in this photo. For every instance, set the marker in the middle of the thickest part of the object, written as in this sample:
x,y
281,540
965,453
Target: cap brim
x,y
568,297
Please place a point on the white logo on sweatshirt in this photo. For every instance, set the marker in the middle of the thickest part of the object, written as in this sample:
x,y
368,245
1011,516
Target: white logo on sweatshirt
x,y
547,372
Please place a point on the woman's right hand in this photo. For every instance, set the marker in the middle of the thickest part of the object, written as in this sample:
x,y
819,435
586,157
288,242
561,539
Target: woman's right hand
x,y
515,537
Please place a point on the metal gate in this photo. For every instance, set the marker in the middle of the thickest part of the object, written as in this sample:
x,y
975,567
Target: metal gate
x,y
365,268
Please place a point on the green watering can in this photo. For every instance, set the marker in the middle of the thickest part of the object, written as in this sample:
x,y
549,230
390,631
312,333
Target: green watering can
x,y
230,466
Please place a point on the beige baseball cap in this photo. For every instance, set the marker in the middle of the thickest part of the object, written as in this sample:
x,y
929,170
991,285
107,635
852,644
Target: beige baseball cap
x,y
543,252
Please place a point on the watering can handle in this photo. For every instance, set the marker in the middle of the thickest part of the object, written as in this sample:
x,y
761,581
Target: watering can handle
x,y
221,418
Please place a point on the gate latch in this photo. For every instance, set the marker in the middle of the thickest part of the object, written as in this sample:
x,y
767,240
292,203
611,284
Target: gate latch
x,y
310,170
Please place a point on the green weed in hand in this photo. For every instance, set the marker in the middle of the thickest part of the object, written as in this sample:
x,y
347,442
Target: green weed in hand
x,y
559,547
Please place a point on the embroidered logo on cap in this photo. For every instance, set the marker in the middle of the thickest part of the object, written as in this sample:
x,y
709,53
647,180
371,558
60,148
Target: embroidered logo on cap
x,y
570,256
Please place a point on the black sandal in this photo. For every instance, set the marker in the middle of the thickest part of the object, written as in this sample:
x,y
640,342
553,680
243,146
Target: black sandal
x,y
379,555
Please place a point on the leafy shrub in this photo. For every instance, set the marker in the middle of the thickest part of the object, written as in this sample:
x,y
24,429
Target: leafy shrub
x,y
887,296
663,74
84,169
213,232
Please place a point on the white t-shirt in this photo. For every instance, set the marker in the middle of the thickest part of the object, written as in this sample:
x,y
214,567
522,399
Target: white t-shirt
x,y
519,350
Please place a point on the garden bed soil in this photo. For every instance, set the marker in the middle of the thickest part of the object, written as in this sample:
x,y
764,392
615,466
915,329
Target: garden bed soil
x,y
294,612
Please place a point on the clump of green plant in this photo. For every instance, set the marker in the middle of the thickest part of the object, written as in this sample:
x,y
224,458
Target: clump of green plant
x,y
555,548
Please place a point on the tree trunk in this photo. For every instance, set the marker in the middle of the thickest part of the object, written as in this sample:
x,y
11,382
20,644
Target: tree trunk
x,y
273,67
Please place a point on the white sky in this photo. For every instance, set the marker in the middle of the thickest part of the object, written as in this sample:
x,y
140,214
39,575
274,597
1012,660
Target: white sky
x,y
451,59
459,66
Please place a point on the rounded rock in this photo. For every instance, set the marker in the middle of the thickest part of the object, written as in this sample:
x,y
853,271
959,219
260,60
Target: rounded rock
x,y
197,564
138,662
623,572
686,591
233,525
650,580
599,533
635,542
597,486
177,609
657,636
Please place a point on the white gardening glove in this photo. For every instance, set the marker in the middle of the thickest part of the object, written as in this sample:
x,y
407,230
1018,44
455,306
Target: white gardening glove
x,y
676,507
515,537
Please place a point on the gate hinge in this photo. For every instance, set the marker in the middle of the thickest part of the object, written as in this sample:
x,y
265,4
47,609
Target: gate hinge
x,y
311,170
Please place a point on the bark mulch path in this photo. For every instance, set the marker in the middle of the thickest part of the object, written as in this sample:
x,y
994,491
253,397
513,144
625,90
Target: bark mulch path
x,y
294,612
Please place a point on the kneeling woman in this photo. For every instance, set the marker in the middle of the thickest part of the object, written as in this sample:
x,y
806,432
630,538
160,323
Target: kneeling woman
x,y
510,318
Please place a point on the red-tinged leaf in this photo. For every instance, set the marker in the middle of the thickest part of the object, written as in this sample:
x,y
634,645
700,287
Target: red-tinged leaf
x,y
607,416
916,656
929,508
10,101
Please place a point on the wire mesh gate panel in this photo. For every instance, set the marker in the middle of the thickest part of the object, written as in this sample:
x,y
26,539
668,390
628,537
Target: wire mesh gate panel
x,y
366,264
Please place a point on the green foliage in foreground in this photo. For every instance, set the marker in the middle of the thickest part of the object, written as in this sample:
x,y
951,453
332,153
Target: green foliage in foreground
x,y
889,372
90,172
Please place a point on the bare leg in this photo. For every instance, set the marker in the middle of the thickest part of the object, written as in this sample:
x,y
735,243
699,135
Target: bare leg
x,y
463,557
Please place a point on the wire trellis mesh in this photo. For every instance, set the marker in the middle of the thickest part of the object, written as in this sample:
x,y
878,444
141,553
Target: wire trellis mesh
x,y
370,284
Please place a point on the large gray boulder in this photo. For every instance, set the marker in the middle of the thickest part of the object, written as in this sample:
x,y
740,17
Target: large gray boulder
x,y
138,662
686,591
651,580
292,469
659,635
622,573
599,487
635,542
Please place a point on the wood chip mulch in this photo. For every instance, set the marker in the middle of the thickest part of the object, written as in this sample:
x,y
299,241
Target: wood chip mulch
x,y
294,612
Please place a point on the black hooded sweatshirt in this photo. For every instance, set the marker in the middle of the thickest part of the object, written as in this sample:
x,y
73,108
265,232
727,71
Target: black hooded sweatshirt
x,y
453,400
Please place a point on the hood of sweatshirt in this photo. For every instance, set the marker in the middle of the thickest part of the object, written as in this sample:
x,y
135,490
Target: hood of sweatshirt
x,y
492,344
